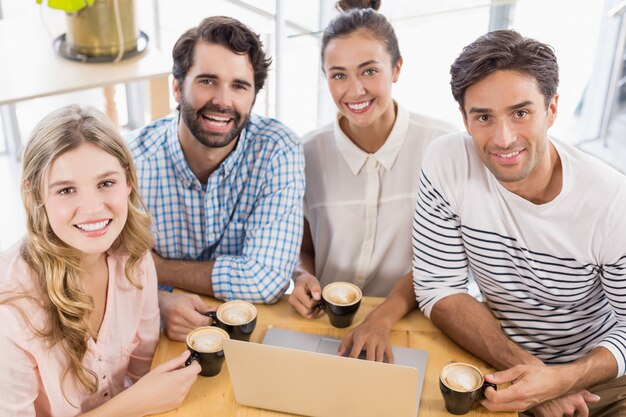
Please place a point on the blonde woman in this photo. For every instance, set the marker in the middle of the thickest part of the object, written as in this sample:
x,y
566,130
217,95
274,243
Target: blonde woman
x,y
78,295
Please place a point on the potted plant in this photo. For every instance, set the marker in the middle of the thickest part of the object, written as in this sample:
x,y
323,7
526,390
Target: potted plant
x,y
97,28
68,6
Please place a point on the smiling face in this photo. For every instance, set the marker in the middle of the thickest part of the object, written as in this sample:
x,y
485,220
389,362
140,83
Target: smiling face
x,y
360,74
216,96
86,199
508,120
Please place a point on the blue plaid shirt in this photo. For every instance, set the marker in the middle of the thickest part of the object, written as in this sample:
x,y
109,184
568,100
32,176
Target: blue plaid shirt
x,y
248,217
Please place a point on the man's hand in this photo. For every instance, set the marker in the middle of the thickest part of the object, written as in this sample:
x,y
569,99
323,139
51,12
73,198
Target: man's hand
x,y
568,406
372,336
532,385
181,313
306,296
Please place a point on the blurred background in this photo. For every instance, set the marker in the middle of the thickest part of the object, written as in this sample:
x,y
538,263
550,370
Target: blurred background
x,y
587,35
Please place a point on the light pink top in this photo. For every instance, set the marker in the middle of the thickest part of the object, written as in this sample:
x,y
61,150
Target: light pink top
x,y
30,371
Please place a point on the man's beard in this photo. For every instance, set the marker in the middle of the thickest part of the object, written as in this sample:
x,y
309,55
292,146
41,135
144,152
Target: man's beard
x,y
192,119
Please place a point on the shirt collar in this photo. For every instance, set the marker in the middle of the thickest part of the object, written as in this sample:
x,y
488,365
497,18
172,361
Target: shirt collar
x,y
183,172
386,155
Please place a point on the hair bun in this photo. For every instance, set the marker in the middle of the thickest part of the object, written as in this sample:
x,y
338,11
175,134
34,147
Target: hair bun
x,y
345,5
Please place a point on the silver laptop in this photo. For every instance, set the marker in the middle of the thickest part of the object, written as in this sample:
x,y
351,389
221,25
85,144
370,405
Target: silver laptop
x,y
300,373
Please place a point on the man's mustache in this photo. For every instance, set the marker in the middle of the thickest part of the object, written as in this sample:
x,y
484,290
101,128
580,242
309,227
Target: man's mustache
x,y
212,108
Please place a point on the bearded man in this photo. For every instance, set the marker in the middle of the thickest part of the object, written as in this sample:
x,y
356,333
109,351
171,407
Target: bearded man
x,y
223,185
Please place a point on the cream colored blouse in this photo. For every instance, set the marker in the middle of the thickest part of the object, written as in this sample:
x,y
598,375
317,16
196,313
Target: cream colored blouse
x,y
360,206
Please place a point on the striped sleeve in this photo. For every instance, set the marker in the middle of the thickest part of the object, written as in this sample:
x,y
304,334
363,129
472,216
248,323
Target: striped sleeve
x,y
613,275
612,278
440,265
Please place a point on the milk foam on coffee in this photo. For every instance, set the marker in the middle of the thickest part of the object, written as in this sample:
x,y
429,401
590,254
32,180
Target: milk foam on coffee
x,y
462,378
341,293
235,313
236,316
207,341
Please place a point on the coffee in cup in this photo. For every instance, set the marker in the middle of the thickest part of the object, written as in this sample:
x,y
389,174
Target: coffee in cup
x,y
462,385
341,300
206,346
237,317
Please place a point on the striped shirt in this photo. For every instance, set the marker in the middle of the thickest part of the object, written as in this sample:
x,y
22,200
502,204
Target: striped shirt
x,y
248,217
553,274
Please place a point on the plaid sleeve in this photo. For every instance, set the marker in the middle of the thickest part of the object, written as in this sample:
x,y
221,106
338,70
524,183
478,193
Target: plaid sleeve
x,y
273,236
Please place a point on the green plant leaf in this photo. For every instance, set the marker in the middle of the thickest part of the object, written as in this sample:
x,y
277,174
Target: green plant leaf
x,y
68,5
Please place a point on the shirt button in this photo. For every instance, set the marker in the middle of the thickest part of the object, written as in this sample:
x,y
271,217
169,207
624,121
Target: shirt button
x,y
104,377
100,358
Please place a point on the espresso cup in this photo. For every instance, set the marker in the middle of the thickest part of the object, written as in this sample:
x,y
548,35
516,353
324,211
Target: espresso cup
x,y
205,344
341,301
462,385
238,318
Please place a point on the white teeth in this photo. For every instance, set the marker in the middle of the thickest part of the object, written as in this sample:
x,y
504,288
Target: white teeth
x,y
92,227
508,155
359,106
220,121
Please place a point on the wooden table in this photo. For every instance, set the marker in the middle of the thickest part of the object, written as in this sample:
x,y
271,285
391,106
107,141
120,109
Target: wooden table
x,y
31,69
214,396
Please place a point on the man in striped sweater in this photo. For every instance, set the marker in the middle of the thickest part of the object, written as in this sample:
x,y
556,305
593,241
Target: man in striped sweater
x,y
541,228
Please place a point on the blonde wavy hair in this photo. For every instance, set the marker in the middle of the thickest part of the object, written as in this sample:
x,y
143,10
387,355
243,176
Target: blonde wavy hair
x,y
55,265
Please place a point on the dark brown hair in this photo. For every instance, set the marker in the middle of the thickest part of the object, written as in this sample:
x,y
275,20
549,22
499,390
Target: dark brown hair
x,y
504,50
362,14
225,31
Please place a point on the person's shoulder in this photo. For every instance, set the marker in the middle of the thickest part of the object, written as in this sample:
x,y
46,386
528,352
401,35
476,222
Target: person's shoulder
x,y
435,125
266,130
451,157
589,173
150,139
14,327
320,133
15,274
10,253
318,136
18,294
455,144
585,161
